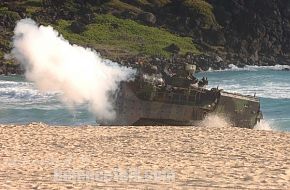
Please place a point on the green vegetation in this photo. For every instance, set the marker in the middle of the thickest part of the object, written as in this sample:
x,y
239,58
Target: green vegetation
x,y
1,55
13,15
121,6
32,3
5,35
112,34
158,3
3,9
203,8
32,6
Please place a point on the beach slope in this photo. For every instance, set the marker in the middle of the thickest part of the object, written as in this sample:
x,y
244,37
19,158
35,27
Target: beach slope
x,y
38,156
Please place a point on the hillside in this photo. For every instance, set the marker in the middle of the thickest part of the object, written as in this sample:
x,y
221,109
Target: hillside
x,y
211,33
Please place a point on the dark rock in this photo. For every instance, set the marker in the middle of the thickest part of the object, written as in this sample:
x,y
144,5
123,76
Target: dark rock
x,y
87,19
77,27
240,65
129,15
15,8
214,37
241,32
172,48
286,10
147,18
115,25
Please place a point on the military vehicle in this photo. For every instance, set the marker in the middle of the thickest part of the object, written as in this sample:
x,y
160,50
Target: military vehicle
x,y
181,100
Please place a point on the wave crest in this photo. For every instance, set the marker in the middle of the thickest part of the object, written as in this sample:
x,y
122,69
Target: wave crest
x,y
23,93
233,67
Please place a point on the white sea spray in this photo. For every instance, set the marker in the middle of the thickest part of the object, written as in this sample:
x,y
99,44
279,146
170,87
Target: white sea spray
x,y
79,73
264,126
214,120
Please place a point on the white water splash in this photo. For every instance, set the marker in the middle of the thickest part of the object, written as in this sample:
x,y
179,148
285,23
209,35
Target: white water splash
x,y
264,89
213,120
265,83
22,93
264,126
233,67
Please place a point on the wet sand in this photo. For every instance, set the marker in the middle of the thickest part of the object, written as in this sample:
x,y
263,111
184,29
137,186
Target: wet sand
x,y
37,156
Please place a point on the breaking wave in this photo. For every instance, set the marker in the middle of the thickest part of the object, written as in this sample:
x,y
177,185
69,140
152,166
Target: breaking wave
x,y
233,67
265,89
265,82
270,84
256,68
22,103
23,93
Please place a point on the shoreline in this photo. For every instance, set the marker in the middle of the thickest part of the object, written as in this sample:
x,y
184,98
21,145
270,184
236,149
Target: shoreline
x,y
49,157
11,70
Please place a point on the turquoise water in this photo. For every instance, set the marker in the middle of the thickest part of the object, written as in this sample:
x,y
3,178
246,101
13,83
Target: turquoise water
x,y
269,83
21,103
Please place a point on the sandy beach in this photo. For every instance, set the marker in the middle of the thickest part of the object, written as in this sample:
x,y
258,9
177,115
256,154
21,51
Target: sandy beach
x,y
38,156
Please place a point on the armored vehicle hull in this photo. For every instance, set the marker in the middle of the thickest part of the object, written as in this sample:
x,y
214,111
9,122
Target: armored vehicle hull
x,y
140,103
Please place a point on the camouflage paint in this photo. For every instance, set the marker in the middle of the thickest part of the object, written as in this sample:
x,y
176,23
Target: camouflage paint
x,y
136,104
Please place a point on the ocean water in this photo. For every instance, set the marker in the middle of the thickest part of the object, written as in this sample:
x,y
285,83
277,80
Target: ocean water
x,y
270,84
21,103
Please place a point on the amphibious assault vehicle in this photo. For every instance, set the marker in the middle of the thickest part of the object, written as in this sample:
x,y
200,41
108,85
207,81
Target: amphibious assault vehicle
x,y
178,99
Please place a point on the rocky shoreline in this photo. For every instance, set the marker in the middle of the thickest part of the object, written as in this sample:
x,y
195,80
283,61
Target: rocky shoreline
x,y
203,62
11,69
225,32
